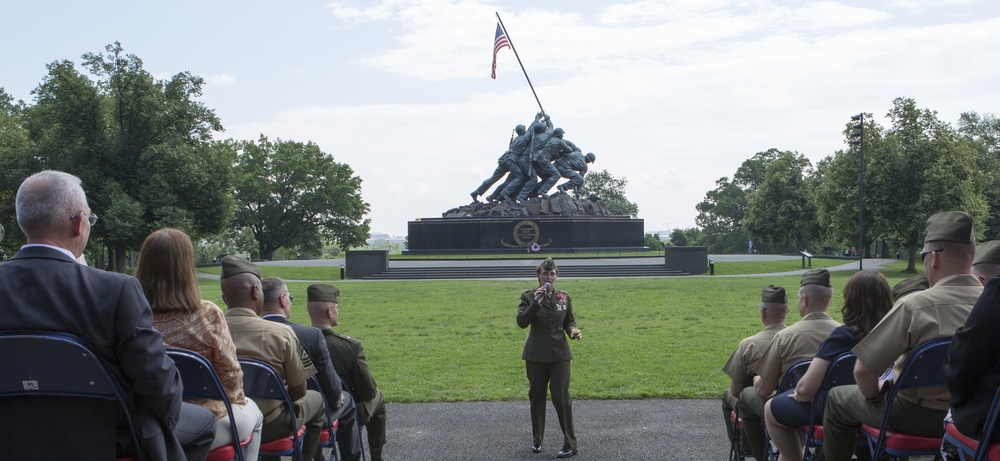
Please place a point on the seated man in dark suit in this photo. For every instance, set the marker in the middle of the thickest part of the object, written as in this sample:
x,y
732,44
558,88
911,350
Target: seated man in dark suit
x,y
277,308
348,359
44,288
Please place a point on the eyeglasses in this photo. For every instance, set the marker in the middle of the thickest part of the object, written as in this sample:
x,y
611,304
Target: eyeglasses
x,y
923,254
91,218
290,297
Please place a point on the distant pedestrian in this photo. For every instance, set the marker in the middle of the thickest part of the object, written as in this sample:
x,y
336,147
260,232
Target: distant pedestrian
x,y
750,246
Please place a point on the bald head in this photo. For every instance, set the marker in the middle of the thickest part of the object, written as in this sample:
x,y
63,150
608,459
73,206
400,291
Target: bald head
x,y
243,290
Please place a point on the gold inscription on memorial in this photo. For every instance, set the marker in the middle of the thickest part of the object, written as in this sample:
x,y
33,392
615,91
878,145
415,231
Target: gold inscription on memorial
x,y
525,234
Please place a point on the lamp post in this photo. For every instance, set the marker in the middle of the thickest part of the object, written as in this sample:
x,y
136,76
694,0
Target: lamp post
x,y
855,137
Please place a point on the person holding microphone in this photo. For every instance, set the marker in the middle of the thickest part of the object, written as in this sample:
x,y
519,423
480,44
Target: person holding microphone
x,y
549,313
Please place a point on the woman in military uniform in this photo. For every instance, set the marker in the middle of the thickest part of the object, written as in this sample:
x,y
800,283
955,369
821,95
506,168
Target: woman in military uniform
x,y
549,313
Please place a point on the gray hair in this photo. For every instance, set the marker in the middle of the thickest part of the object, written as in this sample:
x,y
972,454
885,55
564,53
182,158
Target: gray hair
x,y
273,288
46,199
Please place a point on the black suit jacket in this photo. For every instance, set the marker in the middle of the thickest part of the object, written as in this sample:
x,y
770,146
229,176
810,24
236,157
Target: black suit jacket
x,y
314,344
972,369
44,289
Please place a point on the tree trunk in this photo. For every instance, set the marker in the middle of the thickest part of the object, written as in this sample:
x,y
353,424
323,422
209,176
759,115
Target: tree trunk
x,y
911,265
120,258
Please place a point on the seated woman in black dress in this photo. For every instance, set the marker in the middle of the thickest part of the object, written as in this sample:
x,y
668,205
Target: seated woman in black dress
x,y
867,298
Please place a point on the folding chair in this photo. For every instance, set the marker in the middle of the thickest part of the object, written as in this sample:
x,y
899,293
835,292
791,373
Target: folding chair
x,y
924,368
970,448
38,364
201,382
839,373
262,382
788,381
328,438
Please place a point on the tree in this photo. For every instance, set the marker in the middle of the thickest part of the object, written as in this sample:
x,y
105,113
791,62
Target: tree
x,y
16,161
140,145
929,169
611,190
837,188
780,208
292,194
984,131
720,216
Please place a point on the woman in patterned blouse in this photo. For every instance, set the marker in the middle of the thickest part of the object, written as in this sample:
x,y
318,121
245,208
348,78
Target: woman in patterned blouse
x,y
167,274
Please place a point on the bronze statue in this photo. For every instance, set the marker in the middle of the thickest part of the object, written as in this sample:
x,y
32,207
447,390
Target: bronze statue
x,y
573,166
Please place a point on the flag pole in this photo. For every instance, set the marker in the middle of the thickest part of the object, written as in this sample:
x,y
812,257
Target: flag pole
x,y
519,62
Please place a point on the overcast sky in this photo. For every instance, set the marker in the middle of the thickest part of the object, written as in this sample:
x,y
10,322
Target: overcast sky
x,y
670,95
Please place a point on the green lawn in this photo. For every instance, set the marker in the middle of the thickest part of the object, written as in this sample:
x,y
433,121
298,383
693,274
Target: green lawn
x,y
458,341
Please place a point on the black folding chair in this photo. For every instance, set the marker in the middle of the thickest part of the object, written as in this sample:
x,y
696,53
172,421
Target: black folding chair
x,y
41,364
839,373
260,381
923,368
788,381
327,438
201,382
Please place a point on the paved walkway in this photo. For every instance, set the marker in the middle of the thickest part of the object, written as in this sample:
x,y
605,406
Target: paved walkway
x,y
649,429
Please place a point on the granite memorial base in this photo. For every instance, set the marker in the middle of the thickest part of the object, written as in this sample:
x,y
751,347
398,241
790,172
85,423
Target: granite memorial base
x,y
492,235
363,263
693,260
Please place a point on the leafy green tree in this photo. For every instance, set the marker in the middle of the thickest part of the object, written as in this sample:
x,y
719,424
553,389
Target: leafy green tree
x,y
931,169
141,145
292,194
16,160
653,242
611,190
984,131
836,194
780,209
720,216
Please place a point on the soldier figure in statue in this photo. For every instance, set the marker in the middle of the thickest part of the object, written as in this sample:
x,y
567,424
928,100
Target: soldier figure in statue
x,y
505,163
550,146
573,166
525,172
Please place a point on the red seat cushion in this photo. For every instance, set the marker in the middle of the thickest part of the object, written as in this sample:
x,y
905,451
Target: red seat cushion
x,y
282,444
899,441
223,453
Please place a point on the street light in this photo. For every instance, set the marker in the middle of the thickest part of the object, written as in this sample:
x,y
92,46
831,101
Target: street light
x,y
855,137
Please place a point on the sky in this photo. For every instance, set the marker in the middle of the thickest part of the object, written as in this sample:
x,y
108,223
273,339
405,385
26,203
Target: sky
x,y
669,95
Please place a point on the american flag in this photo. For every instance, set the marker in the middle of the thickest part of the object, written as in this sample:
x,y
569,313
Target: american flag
x,y
500,42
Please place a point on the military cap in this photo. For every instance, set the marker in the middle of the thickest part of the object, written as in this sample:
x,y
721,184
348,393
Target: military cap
x,y
773,294
233,265
816,277
950,226
908,286
548,265
323,293
987,252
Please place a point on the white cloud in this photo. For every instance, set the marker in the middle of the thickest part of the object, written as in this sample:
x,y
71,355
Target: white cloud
x,y
221,79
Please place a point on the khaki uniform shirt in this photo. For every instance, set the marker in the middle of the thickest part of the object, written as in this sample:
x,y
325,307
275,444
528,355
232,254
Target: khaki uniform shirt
x,y
794,344
272,343
930,314
748,352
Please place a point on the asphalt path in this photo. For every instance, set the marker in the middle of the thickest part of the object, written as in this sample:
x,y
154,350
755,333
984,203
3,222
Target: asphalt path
x,y
643,429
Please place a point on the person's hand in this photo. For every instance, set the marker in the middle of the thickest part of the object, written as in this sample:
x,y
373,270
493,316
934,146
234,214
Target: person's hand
x,y
575,334
341,402
540,291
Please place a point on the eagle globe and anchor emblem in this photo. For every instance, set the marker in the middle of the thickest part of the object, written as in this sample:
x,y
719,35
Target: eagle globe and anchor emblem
x,y
526,235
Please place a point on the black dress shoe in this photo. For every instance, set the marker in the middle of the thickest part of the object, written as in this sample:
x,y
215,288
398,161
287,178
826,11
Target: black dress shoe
x,y
536,448
566,453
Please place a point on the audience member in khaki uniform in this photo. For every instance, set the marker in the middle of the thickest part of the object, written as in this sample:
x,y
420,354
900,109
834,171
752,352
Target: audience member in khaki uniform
x,y
349,360
276,345
773,310
793,344
987,262
949,249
